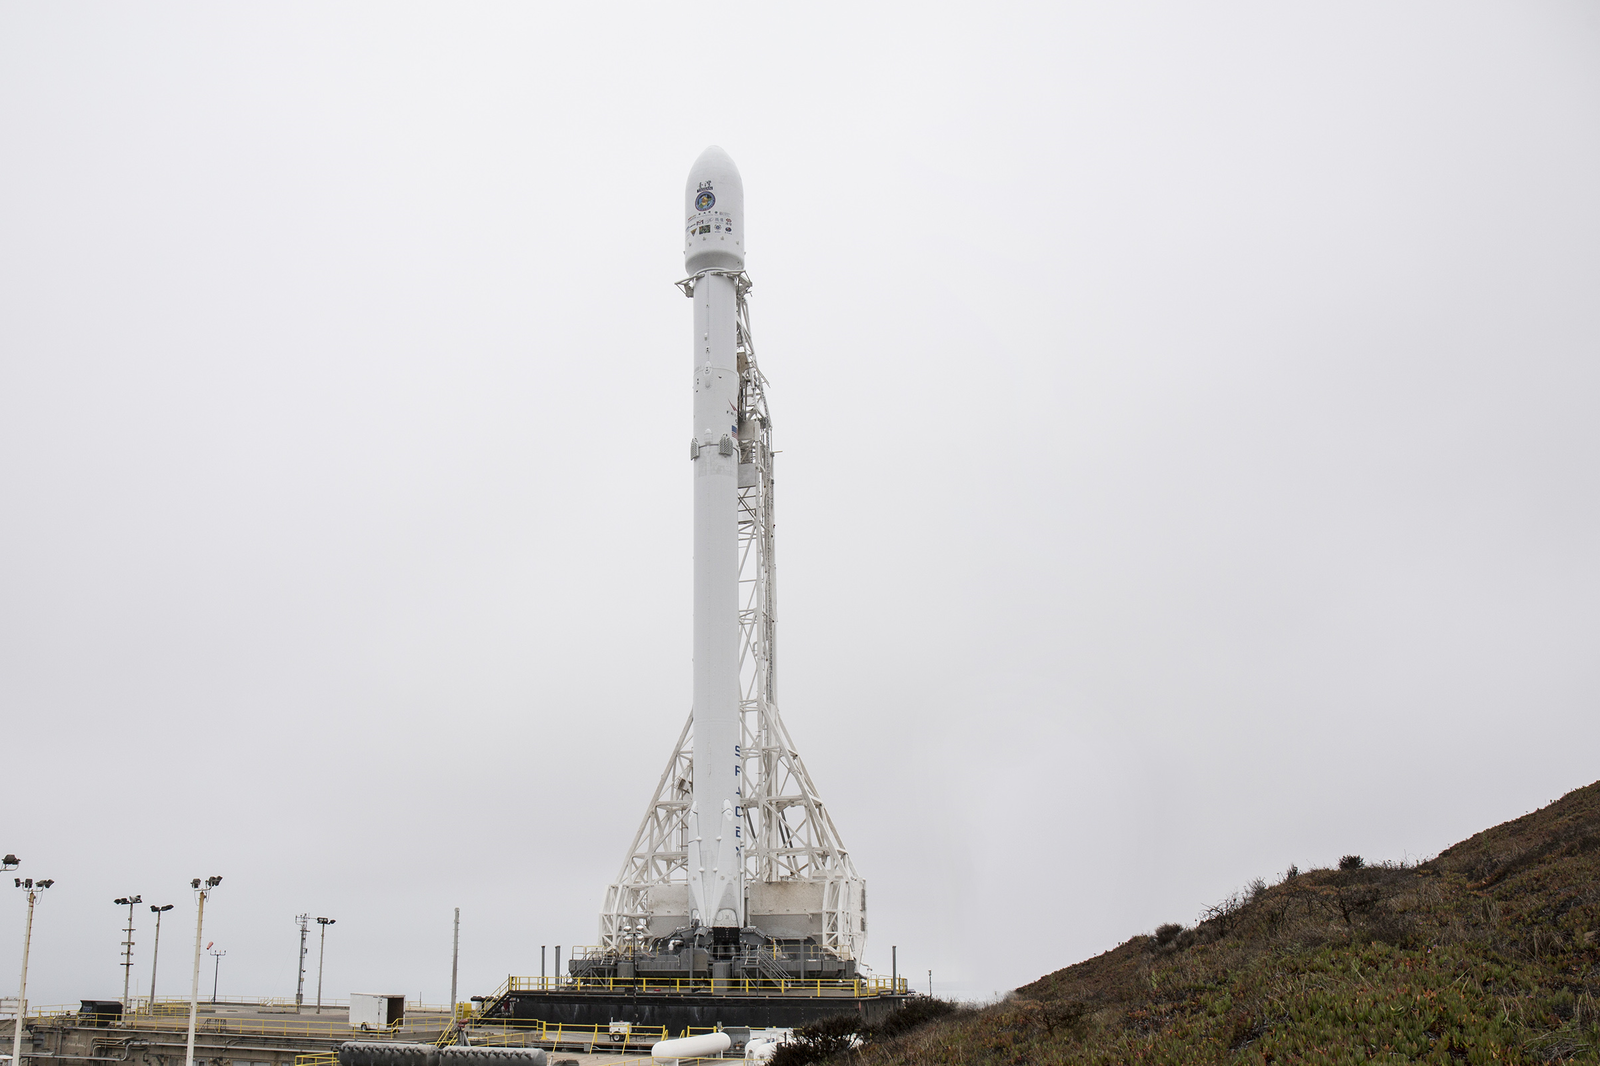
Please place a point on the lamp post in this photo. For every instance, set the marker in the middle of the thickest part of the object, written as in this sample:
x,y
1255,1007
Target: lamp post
x,y
216,969
34,888
322,950
127,946
202,890
155,950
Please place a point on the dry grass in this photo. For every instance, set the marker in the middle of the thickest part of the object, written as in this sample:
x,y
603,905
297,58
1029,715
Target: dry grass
x,y
1488,953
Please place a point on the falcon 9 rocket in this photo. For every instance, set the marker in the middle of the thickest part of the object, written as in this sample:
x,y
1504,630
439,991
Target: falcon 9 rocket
x,y
714,256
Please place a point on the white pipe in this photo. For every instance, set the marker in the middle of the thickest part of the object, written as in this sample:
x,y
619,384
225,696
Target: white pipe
x,y
690,1047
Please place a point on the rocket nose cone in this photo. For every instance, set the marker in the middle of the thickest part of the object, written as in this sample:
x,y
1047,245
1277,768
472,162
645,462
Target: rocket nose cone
x,y
717,167
714,213
715,153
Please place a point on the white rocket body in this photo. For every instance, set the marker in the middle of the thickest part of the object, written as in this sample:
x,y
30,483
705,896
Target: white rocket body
x,y
714,239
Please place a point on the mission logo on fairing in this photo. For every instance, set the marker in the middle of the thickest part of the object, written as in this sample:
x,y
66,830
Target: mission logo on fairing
x,y
705,201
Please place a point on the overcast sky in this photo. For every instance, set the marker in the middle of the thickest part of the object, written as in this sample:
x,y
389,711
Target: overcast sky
x,y
1189,458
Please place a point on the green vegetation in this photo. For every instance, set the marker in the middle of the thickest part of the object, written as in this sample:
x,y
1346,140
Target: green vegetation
x,y
1486,954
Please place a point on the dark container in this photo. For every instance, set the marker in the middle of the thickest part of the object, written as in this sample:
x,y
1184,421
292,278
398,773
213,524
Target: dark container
x,y
100,1011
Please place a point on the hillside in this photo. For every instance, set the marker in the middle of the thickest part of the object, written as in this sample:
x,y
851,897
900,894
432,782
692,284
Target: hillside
x,y
1487,953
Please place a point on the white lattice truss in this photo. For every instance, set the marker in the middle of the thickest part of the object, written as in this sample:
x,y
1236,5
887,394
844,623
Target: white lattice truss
x,y
791,837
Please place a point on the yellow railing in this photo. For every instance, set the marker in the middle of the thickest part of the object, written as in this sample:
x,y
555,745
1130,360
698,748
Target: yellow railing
x,y
859,987
522,1032
53,1010
298,1027
427,1015
143,1004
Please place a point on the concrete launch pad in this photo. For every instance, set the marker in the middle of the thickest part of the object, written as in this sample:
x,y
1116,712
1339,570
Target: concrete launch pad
x,y
679,1011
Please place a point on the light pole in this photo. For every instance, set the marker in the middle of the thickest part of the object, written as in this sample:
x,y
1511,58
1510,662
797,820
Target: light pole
x,y
155,950
455,960
34,888
202,890
321,951
216,969
300,985
127,946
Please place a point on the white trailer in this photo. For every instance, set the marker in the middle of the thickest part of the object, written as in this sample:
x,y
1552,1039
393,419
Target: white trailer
x,y
369,1010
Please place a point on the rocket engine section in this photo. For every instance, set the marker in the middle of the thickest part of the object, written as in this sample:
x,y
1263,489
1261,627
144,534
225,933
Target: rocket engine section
x,y
715,245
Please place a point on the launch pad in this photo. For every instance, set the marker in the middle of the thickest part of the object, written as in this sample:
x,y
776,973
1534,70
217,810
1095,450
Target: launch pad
x,y
677,1005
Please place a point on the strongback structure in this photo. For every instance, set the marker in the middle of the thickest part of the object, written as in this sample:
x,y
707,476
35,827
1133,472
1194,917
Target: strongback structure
x,y
799,880
754,850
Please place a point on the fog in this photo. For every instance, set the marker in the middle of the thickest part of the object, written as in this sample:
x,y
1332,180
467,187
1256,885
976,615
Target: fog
x,y
1188,459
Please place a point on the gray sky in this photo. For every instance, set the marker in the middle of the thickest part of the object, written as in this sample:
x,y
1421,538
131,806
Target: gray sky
x,y
1188,467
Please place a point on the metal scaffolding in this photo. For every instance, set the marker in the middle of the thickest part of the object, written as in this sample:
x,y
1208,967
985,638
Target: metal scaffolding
x,y
791,839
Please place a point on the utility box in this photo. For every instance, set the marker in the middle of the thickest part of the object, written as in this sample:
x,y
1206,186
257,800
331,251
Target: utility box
x,y
371,1011
100,1011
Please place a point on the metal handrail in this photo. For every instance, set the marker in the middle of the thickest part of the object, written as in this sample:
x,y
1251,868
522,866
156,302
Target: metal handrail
x,y
857,987
312,1028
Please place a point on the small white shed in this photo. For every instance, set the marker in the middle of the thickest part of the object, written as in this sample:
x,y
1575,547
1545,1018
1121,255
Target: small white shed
x,y
369,1010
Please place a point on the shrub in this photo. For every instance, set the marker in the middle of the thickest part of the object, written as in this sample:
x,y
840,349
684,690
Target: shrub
x,y
819,1040
1257,888
914,1013
1065,1015
1222,916
1391,927
1352,862
1291,873
1166,934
